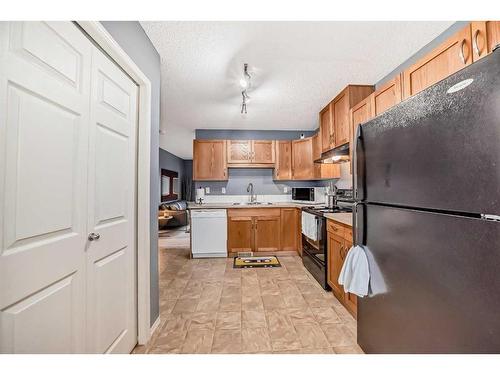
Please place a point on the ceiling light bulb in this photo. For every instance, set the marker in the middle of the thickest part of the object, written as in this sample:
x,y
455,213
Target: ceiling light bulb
x,y
243,83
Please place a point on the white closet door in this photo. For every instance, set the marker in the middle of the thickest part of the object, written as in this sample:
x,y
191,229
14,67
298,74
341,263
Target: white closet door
x,y
44,117
111,266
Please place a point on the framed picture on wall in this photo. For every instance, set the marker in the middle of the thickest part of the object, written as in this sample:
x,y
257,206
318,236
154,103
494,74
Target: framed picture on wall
x,y
169,185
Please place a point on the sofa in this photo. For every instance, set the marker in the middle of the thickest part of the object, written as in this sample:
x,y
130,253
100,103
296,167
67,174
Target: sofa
x,y
178,211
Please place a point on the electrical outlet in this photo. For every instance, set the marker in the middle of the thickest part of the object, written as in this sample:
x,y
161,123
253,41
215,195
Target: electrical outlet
x,y
223,190
285,189
207,190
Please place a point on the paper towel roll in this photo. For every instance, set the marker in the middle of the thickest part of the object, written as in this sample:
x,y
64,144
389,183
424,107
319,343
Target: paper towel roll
x,y
200,193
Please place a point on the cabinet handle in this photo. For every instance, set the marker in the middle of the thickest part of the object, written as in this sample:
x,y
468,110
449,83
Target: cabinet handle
x,y
475,44
461,51
342,252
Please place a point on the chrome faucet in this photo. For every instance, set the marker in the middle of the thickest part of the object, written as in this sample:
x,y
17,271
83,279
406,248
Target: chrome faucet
x,y
253,197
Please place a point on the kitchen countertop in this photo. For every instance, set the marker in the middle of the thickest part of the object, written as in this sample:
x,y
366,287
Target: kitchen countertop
x,y
341,217
196,206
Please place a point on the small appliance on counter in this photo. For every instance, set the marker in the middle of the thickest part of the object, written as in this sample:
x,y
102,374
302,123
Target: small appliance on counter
x,y
314,242
313,195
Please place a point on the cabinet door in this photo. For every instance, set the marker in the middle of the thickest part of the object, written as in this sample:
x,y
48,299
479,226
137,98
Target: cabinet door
x,y
209,160
387,96
302,159
322,171
359,114
289,229
263,152
326,126
485,36
335,249
451,56
240,234
267,233
283,168
239,152
350,300
341,119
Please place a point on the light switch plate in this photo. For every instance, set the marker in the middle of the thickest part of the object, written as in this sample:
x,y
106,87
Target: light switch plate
x,y
207,190
223,190
285,189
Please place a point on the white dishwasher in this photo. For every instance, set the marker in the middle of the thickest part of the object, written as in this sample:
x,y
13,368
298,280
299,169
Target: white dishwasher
x,y
209,233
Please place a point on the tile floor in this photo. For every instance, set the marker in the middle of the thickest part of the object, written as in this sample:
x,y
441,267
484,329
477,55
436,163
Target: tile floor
x,y
206,306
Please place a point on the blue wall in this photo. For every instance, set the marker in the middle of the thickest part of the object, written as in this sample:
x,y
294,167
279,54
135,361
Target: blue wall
x,y
133,40
174,163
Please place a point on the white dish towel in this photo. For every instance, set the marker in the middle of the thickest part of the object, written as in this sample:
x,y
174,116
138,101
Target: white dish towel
x,y
355,274
309,227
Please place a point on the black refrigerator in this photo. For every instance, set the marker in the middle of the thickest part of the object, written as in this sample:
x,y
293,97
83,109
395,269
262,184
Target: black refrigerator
x,y
427,191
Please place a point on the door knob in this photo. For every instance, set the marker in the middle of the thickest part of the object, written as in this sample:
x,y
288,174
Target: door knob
x,y
94,236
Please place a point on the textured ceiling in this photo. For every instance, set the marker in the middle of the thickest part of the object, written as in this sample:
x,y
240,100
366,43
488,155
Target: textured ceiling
x,y
296,67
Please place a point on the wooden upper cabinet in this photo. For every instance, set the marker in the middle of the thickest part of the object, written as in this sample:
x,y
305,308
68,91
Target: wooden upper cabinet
x,y
209,160
283,167
289,229
247,152
387,96
485,36
263,152
358,114
341,118
302,159
339,130
239,152
452,55
326,128
323,171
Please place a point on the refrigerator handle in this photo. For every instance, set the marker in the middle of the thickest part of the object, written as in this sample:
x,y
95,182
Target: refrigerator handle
x,y
355,162
355,233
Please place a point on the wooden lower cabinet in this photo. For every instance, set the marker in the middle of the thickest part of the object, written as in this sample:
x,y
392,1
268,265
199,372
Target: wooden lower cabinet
x,y
290,229
267,229
335,261
240,233
263,229
339,241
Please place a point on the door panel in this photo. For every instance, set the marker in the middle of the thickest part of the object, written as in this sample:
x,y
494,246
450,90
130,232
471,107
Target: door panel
x,y
209,160
358,114
283,168
302,162
45,83
263,152
416,154
289,229
435,281
451,56
239,152
325,120
267,229
240,233
485,36
386,96
341,119
335,261
111,313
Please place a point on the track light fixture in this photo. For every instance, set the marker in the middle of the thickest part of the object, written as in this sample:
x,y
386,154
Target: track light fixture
x,y
245,84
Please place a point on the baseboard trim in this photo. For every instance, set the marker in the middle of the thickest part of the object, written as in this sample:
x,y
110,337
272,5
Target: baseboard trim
x,y
155,326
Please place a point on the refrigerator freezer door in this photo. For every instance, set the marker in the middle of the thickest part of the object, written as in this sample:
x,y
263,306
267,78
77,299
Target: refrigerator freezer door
x,y
437,149
436,281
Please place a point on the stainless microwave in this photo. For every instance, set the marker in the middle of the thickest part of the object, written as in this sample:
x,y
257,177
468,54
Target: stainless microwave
x,y
308,194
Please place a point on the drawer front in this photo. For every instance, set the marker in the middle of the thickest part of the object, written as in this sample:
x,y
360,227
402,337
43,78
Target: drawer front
x,y
335,228
238,212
